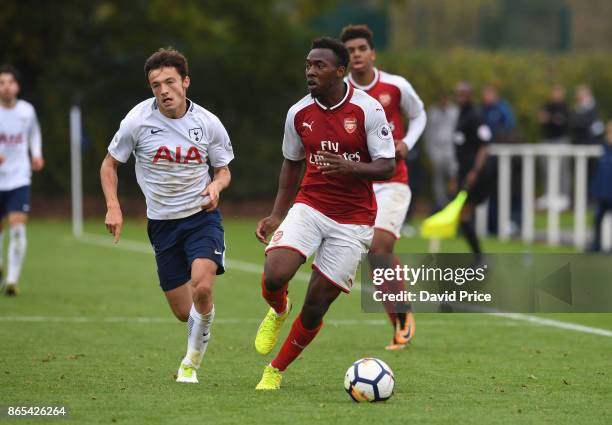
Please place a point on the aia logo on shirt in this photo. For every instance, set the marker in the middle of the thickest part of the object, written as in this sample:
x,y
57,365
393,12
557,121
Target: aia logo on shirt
x,y
384,99
164,153
11,139
350,124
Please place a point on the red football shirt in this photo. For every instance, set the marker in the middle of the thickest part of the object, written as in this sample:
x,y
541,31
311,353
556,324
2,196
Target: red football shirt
x,y
400,103
355,128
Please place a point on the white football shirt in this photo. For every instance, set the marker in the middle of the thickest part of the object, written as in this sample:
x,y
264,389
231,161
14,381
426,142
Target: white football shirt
x,y
172,156
19,137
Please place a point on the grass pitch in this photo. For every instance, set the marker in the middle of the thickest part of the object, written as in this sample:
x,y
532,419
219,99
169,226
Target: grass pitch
x,y
91,330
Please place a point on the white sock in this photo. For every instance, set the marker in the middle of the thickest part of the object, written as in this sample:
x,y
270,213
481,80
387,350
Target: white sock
x,y
1,248
198,335
16,252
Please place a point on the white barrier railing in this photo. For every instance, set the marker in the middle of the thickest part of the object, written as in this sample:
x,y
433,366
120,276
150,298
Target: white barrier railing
x,y
76,174
553,154
606,233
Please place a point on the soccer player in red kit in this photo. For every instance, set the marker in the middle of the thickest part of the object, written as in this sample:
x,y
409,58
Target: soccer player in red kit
x,y
342,138
407,119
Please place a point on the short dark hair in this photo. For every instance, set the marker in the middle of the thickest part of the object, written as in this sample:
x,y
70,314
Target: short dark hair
x,y
351,32
10,69
167,57
342,55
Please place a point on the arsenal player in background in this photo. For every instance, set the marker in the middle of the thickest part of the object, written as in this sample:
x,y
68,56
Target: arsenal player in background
x,y
172,139
406,115
341,137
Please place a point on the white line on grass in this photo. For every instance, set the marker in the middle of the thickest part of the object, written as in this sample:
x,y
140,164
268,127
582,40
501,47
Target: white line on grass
x,y
555,323
305,277
146,248
162,320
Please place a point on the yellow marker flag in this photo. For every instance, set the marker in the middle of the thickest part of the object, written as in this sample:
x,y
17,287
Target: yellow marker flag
x,y
444,223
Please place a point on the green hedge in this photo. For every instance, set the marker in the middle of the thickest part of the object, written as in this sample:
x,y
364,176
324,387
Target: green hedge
x,y
523,78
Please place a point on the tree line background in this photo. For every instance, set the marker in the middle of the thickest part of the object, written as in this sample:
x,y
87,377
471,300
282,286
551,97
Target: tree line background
x,y
246,62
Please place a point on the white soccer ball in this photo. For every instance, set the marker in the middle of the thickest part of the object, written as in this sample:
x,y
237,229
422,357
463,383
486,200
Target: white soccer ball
x,y
369,379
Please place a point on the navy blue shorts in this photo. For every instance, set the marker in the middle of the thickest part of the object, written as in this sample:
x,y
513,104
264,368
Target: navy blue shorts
x,y
178,242
16,200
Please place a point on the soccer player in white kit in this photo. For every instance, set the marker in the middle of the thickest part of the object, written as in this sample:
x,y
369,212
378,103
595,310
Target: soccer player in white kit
x,y
407,118
20,154
172,140
340,137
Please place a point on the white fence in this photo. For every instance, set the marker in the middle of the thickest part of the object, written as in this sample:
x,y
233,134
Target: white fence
x,y
553,154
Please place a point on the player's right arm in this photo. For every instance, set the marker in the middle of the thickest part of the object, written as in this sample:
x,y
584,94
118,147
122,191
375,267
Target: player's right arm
x,y
288,184
119,150
413,111
288,181
109,180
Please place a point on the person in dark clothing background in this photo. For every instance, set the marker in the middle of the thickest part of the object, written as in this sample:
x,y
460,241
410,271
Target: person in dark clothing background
x,y
497,114
475,175
602,188
554,120
554,116
586,126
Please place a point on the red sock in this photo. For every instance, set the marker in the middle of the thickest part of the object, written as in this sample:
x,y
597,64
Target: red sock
x,y
389,306
393,287
399,287
275,299
296,341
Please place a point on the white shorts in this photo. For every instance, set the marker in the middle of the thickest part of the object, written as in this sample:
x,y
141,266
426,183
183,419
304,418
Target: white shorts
x,y
393,200
338,246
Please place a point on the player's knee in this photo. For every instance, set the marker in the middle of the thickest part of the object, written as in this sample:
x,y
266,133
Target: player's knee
x,y
381,249
274,281
382,243
202,289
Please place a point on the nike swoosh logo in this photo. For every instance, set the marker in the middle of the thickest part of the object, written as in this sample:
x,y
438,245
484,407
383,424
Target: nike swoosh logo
x,y
408,332
155,131
217,252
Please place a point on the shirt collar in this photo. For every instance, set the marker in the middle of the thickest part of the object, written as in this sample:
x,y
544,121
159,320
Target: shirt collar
x,y
367,86
349,91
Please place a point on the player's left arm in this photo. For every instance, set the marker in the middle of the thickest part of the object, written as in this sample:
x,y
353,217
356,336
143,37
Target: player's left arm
x,y
378,169
414,112
221,180
35,142
220,154
380,147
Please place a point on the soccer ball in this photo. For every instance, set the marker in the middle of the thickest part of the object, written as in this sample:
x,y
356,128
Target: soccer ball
x,y
369,379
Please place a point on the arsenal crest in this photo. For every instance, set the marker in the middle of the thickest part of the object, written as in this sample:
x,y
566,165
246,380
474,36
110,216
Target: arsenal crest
x,y
277,236
350,124
384,99
195,134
